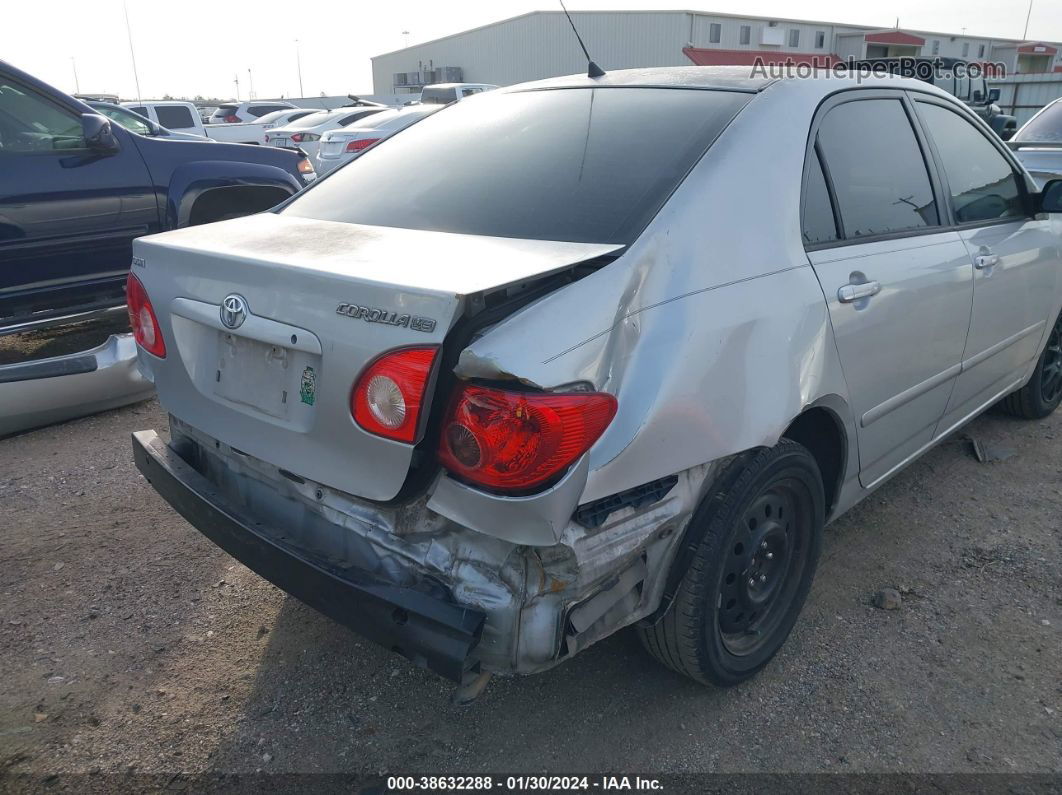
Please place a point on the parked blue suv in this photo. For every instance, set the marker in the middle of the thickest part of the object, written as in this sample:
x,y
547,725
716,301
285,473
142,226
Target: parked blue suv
x,y
76,189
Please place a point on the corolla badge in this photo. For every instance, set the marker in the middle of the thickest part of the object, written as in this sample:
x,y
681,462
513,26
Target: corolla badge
x,y
233,311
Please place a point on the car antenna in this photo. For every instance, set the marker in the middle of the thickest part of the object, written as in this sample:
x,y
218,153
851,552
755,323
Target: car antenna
x,y
592,69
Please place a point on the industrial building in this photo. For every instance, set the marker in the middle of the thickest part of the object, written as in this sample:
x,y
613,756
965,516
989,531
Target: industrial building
x,y
540,44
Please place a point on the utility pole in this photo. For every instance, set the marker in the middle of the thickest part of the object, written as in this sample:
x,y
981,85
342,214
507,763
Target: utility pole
x,y
237,81
405,38
132,55
298,63
77,84
1025,33
250,84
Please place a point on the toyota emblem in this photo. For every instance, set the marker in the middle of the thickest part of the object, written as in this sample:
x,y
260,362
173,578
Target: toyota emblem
x,y
233,311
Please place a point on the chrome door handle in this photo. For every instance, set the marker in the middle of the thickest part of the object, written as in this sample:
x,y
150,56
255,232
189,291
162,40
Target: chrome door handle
x,y
986,261
854,292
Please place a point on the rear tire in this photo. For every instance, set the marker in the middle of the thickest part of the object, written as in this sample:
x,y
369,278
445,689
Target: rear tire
x,y
1041,396
760,532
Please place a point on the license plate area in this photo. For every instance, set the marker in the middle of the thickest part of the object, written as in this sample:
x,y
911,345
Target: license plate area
x,y
272,379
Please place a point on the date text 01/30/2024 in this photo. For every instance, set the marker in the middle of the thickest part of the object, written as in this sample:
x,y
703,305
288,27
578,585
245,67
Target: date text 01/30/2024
x,y
521,783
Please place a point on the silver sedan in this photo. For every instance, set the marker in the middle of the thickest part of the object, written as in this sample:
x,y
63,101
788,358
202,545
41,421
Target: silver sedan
x,y
596,352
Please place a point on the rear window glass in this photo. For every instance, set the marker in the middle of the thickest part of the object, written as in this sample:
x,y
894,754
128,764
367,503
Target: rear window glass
x,y
438,96
174,117
319,117
1045,128
581,165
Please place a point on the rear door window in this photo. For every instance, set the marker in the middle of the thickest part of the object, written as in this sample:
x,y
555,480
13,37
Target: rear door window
x,y
981,182
174,117
879,174
141,110
580,164
819,225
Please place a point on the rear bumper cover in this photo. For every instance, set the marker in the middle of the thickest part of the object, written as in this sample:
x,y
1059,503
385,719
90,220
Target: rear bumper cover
x,y
51,390
433,633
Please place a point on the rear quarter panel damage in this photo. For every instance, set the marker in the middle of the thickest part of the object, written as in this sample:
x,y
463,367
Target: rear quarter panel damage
x,y
711,330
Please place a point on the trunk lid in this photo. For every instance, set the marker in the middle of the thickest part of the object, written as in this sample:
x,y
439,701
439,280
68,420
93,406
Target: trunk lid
x,y
320,301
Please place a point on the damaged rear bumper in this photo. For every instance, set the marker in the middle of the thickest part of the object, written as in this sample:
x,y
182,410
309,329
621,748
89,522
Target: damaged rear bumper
x,y
430,631
44,391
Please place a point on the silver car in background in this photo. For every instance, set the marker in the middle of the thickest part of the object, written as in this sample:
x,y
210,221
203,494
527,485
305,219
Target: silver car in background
x,y
1038,144
596,352
343,145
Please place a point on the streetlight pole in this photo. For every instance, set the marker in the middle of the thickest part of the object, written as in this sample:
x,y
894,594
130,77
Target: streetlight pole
x,y
298,63
132,55
1025,33
250,84
237,82
77,84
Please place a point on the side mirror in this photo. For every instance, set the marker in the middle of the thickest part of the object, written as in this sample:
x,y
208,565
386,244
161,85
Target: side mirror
x,y
99,137
1051,197
993,95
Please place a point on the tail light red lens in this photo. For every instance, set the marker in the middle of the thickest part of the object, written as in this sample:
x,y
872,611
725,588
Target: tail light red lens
x,y
142,318
514,442
388,397
232,119
361,144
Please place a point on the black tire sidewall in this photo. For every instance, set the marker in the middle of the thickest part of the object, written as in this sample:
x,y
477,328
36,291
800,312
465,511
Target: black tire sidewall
x,y
794,463
1039,407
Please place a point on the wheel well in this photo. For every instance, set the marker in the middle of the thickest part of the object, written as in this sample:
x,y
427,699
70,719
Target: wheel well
x,y
820,431
219,204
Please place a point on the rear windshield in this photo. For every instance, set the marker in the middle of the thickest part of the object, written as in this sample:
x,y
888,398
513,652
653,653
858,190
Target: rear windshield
x,y
581,165
315,118
1045,128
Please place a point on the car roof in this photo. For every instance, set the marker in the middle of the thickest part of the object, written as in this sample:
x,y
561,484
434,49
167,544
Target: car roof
x,y
728,78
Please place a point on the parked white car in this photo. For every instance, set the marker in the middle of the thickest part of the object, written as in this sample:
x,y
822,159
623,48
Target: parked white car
x,y
136,123
184,117
281,118
1038,144
305,133
337,147
240,112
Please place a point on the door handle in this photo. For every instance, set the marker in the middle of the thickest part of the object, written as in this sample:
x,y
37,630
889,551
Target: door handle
x,y
983,261
854,292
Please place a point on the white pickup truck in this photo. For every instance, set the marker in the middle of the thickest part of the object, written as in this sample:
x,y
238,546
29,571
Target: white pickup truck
x,y
184,117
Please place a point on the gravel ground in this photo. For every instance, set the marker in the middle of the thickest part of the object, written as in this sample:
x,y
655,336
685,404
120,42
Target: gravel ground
x,y
129,642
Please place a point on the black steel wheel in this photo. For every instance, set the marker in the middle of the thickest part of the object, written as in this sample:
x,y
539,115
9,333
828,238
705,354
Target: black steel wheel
x,y
1043,393
755,543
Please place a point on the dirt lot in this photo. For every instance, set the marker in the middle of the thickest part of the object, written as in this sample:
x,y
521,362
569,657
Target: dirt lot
x,y
128,642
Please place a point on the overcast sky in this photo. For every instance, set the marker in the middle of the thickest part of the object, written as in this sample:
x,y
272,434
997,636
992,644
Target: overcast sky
x,y
189,47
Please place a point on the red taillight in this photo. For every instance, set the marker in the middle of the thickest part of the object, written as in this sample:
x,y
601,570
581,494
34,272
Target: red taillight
x,y
142,318
297,138
361,144
516,441
232,119
387,398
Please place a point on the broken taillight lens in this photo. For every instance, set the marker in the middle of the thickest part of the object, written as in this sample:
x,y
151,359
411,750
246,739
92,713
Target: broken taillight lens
x,y
142,318
389,394
514,442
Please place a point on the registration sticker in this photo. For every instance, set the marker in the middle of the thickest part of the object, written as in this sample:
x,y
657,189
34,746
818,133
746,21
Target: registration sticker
x,y
308,386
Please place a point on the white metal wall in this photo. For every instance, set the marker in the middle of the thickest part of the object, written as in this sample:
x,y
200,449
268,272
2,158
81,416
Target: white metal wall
x,y
1023,95
538,45
541,44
